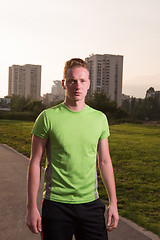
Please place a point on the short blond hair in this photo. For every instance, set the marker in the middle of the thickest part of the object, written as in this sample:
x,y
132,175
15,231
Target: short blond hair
x,y
74,62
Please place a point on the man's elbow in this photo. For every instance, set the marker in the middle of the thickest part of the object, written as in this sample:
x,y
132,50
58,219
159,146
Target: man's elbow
x,y
35,162
105,162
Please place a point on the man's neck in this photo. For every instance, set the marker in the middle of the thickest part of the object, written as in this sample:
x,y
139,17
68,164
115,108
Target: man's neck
x,y
75,106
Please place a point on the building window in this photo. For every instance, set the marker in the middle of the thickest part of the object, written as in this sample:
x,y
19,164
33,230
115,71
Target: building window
x,y
98,89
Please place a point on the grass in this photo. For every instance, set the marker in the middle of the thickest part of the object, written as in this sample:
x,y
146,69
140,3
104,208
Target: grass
x,y
135,153
16,134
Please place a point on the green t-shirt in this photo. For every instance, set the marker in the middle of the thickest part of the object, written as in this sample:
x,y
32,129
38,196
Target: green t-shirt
x,y
70,174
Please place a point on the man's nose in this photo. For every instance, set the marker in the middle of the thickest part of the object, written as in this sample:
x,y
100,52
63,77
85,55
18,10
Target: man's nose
x,y
78,84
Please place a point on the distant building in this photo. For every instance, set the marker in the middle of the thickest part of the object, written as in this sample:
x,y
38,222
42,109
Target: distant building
x,y
25,81
106,74
5,104
57,93
152,93
47,98
126,97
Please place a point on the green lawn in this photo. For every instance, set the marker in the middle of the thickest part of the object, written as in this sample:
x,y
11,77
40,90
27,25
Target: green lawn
x,y
135,153
16,134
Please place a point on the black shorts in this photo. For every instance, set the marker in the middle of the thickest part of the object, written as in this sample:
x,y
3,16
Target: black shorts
x,y
61,220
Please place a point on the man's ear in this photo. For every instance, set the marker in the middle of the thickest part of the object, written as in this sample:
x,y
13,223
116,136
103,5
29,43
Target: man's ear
x,y
63,84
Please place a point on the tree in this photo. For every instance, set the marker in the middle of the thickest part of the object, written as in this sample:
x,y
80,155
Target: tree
x,y
34,106
18,102
147,109
101,102
126,105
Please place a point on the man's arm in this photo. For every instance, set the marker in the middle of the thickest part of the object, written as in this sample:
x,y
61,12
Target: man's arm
x,y
33,218
106,169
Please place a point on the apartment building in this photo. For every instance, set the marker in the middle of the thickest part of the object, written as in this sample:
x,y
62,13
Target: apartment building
x,y
57,93
106,74
57,89
25,81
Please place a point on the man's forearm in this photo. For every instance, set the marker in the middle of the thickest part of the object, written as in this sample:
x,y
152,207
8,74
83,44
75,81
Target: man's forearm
x,y
33,218
106,170
33,184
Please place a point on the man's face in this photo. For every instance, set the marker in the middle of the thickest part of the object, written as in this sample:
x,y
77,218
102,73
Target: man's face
x,y
77,83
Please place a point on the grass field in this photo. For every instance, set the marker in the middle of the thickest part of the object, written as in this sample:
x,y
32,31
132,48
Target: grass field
x,y
135,153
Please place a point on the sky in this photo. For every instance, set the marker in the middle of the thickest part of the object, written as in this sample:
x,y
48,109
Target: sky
x,y
48,33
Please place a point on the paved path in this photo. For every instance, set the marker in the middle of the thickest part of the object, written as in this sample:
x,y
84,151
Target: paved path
x,y
13,171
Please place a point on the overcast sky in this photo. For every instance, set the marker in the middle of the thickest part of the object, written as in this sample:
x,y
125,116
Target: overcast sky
x,y
49,32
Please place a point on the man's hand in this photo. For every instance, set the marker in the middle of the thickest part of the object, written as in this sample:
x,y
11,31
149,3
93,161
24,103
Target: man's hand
x,y
113,218
33,221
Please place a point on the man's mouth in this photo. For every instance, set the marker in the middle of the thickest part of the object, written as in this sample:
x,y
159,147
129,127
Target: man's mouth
x,y
77,93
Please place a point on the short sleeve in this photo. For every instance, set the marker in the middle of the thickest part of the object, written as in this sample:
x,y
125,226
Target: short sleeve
x,y
41,126
105,128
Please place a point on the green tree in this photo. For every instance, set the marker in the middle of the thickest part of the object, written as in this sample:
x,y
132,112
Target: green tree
x,y
101,102
34,106
126,105
18,102
147,109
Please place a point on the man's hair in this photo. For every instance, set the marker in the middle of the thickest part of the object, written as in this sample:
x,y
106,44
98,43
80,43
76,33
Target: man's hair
x,y
74,62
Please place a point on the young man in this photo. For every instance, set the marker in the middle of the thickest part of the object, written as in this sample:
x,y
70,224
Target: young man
x,y
73,134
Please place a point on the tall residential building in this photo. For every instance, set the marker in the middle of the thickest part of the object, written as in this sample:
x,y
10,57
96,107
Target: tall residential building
x,y
106,74
57,93
25,81
57,88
